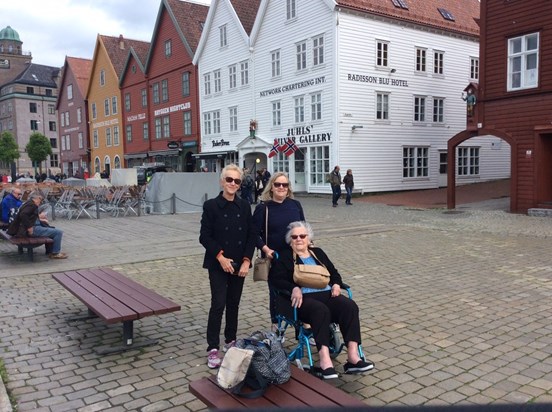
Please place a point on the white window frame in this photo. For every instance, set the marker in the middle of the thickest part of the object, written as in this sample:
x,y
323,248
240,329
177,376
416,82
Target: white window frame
x,y
207,126
319,163
276,113
115,135
382,53
217,81
438,110
216,122
79,115
232,76
168,48
187,119
419,109
107,107
474,68
280,163
108,141
102,77
318,50
523,62
128,133
316,106
291,9
69,92
81,140
415,162
438,62
244,73
382,106
145,130
301,55
95,139
158,128
421,60
299,109
207,84
164,90
223,37
275,63
233,118
166,126
114,108
468,160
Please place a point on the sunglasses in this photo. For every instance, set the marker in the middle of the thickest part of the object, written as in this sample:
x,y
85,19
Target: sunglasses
x,y
294,237
278,184
230,180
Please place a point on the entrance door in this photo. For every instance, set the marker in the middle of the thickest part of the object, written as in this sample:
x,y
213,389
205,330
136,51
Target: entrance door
x,y
443,166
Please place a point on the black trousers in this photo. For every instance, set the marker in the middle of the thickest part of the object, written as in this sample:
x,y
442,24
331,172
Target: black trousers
x,y
319,309
226,291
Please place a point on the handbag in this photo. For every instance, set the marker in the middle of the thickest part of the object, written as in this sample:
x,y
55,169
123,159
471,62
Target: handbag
x,y
234,367
310,276
261,265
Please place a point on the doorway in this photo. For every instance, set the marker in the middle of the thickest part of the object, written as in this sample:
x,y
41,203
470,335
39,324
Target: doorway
x,y
443,168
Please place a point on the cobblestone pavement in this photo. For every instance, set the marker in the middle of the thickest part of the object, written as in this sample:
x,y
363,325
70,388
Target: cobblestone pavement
x,y
455,309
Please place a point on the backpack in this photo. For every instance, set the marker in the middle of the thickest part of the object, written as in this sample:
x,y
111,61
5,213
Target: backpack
x,y
268,364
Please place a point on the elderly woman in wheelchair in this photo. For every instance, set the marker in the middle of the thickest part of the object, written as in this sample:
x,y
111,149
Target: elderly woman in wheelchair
x,y
320,308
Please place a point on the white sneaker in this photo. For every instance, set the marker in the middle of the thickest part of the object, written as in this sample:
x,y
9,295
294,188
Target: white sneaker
x,y
213,360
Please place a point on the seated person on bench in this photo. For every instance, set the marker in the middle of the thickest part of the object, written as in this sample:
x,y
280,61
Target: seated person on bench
x,y
30,223
10,205
319,307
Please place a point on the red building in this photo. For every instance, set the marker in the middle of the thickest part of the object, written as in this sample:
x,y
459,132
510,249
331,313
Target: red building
x,y
514,97
171,88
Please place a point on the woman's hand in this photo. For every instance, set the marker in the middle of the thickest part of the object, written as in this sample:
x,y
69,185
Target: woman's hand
x,y
269,253
296,297
336,290
244,269
226,264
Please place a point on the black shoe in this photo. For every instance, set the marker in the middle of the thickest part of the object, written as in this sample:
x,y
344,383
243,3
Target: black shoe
x,y
334,205
328,373
360,366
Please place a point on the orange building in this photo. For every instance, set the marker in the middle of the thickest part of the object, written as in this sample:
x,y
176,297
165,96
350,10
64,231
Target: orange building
x,y
104,102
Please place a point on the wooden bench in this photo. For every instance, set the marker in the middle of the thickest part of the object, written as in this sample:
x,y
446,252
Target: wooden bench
x,y
28,243
302,390
115,298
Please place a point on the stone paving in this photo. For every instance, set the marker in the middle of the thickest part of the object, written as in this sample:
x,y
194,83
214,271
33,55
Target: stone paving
x,y
455,309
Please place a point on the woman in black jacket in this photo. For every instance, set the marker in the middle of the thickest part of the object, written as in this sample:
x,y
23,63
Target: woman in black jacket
x,y
319,307
228,235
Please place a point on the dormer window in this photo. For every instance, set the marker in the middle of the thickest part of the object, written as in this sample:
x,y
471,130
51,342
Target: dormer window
x,y
447,15
401,4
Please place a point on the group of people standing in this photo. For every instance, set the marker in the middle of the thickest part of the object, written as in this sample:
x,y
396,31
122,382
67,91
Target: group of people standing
x,y
230,232
252,186
336,181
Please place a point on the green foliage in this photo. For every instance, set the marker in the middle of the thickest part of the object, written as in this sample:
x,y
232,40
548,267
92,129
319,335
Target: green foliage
x,y
9,151
38,148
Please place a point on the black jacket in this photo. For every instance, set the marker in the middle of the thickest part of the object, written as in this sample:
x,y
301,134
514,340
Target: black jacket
x,y
227,226
26,218
281,272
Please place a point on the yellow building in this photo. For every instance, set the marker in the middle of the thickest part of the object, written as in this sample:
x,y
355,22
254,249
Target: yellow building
x,y
105,103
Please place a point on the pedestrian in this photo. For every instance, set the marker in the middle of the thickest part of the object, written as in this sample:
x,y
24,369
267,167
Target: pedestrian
x,y
265,178
228,235
277,201
247,187
11,204
335,183
258,185
349,185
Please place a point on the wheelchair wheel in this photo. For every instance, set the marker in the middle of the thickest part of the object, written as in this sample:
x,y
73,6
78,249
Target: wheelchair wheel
x,y
335,341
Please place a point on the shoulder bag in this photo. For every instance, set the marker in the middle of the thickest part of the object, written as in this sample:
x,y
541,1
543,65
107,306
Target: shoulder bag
x,y
310,276
261,265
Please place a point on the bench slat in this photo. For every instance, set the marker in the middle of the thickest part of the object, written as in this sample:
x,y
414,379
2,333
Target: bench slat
x,y
211,394
104,305
26,240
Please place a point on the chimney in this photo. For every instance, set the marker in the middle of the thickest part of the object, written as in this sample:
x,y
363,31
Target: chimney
x,y
121,42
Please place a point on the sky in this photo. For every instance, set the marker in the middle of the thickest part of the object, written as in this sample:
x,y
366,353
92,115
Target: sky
x,y
53,29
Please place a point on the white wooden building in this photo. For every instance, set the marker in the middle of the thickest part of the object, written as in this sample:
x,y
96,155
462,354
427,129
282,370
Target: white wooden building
x,y
371,85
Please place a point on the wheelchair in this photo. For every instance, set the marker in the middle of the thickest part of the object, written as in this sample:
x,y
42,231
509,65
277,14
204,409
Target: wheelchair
x,y
286,317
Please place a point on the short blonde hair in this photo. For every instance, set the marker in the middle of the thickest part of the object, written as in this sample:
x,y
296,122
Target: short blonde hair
x,y
232,167
267,191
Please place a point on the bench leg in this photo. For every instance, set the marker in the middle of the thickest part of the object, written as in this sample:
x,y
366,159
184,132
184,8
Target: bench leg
x,y
20,249
128,341
30,253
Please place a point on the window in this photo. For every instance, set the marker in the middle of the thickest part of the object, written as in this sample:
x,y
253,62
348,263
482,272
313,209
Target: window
x,y
447,15
53,142
52,126
207,123
438,110
316,106
299,109
276,113
68,142
62,117
166,126
217,81
69,91
186,84
415,162
114,108
382,106
115,135
421,60
400,4
108,136
523,57
95,138
164,90
34,125
291,10
66,118
280,163
207,84
222,36
468,161
49,92
232,73
168,48
128,132
81,140
106,106
127,102
233,117
318,50
54,160
301,55
62,143
32,107
102,77
187,123
319,164
79,115
275,61
144,96
94,111
438,60
30,90
474,68
51,109
97,165
158,129
155,91
244,73
145,130
419,109
216,122
117,162
382,53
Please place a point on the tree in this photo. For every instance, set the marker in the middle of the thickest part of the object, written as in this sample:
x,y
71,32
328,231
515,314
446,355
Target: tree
x,y
9,151
38,149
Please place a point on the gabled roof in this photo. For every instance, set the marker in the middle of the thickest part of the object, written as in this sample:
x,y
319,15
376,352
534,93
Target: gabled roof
x,y
425,12
244,15
38,75
81,69
188,19
117,49
140,55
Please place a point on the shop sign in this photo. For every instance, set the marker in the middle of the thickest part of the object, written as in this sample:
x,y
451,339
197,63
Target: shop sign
x,y
386,81
170,109
221,142
134,117
293,86
307,134
172,145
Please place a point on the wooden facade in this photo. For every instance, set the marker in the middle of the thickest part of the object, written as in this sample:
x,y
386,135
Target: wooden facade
x,y
515,96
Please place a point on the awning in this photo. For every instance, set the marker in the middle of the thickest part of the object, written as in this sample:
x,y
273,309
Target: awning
x,y
173,152
213,155
135,155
